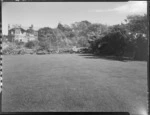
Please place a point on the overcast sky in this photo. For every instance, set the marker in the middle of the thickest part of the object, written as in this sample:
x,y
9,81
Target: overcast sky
x,y
49,14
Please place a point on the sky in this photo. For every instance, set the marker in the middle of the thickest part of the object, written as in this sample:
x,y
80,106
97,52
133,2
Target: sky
x,y
49,14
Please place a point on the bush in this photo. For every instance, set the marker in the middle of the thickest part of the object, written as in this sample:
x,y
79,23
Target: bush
x,y
44,45
9,49
31,44
141,51
115,44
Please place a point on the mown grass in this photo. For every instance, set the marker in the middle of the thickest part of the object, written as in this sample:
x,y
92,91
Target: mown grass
x,y
70,82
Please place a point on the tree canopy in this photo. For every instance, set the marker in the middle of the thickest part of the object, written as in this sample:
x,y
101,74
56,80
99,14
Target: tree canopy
x,y
110,40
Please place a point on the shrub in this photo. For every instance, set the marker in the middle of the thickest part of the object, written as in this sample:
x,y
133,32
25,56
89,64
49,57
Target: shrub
x,y
31,44
115,44
44,45
9,49
141,51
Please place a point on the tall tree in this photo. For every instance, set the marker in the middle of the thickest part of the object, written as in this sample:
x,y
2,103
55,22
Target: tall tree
x,y
138,26
137,23
46,37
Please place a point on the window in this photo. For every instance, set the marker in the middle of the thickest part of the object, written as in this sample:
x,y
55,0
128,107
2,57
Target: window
x,y
36,33
12,32
17,31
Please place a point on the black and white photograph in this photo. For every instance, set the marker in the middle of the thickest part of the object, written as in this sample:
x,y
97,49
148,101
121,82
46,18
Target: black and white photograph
x,y
75,57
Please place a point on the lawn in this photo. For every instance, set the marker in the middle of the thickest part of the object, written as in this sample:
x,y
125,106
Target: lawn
x,y
73,82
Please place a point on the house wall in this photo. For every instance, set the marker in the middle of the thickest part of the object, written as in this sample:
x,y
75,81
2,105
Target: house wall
x,y
20,35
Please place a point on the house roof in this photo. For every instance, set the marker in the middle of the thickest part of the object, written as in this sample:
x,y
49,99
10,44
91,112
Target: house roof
x,y
18,28
23,28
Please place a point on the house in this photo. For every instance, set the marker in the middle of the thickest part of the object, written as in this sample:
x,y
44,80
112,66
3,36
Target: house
x,y
22,34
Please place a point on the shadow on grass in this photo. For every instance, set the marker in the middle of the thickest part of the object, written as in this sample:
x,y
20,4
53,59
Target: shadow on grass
x,y
114,58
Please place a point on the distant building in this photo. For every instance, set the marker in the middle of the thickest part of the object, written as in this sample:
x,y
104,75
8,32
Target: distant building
x,y
21,34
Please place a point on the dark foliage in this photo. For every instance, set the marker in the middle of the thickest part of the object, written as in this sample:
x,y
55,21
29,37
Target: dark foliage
x,y
122,40
44,45
31,44
141,48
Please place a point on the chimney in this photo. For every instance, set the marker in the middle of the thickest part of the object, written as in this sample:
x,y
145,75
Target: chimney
x,y
8,27
31,26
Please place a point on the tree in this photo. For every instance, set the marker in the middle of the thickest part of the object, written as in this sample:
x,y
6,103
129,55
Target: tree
x,y
137,23
4,38
138,27
141,48
44,45
83,42
114,42
46,34
60,36
94,33
61,27
80,26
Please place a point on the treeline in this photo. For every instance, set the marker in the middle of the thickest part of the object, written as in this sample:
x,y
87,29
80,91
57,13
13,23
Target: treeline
x,y
128,39
124,40
67,36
